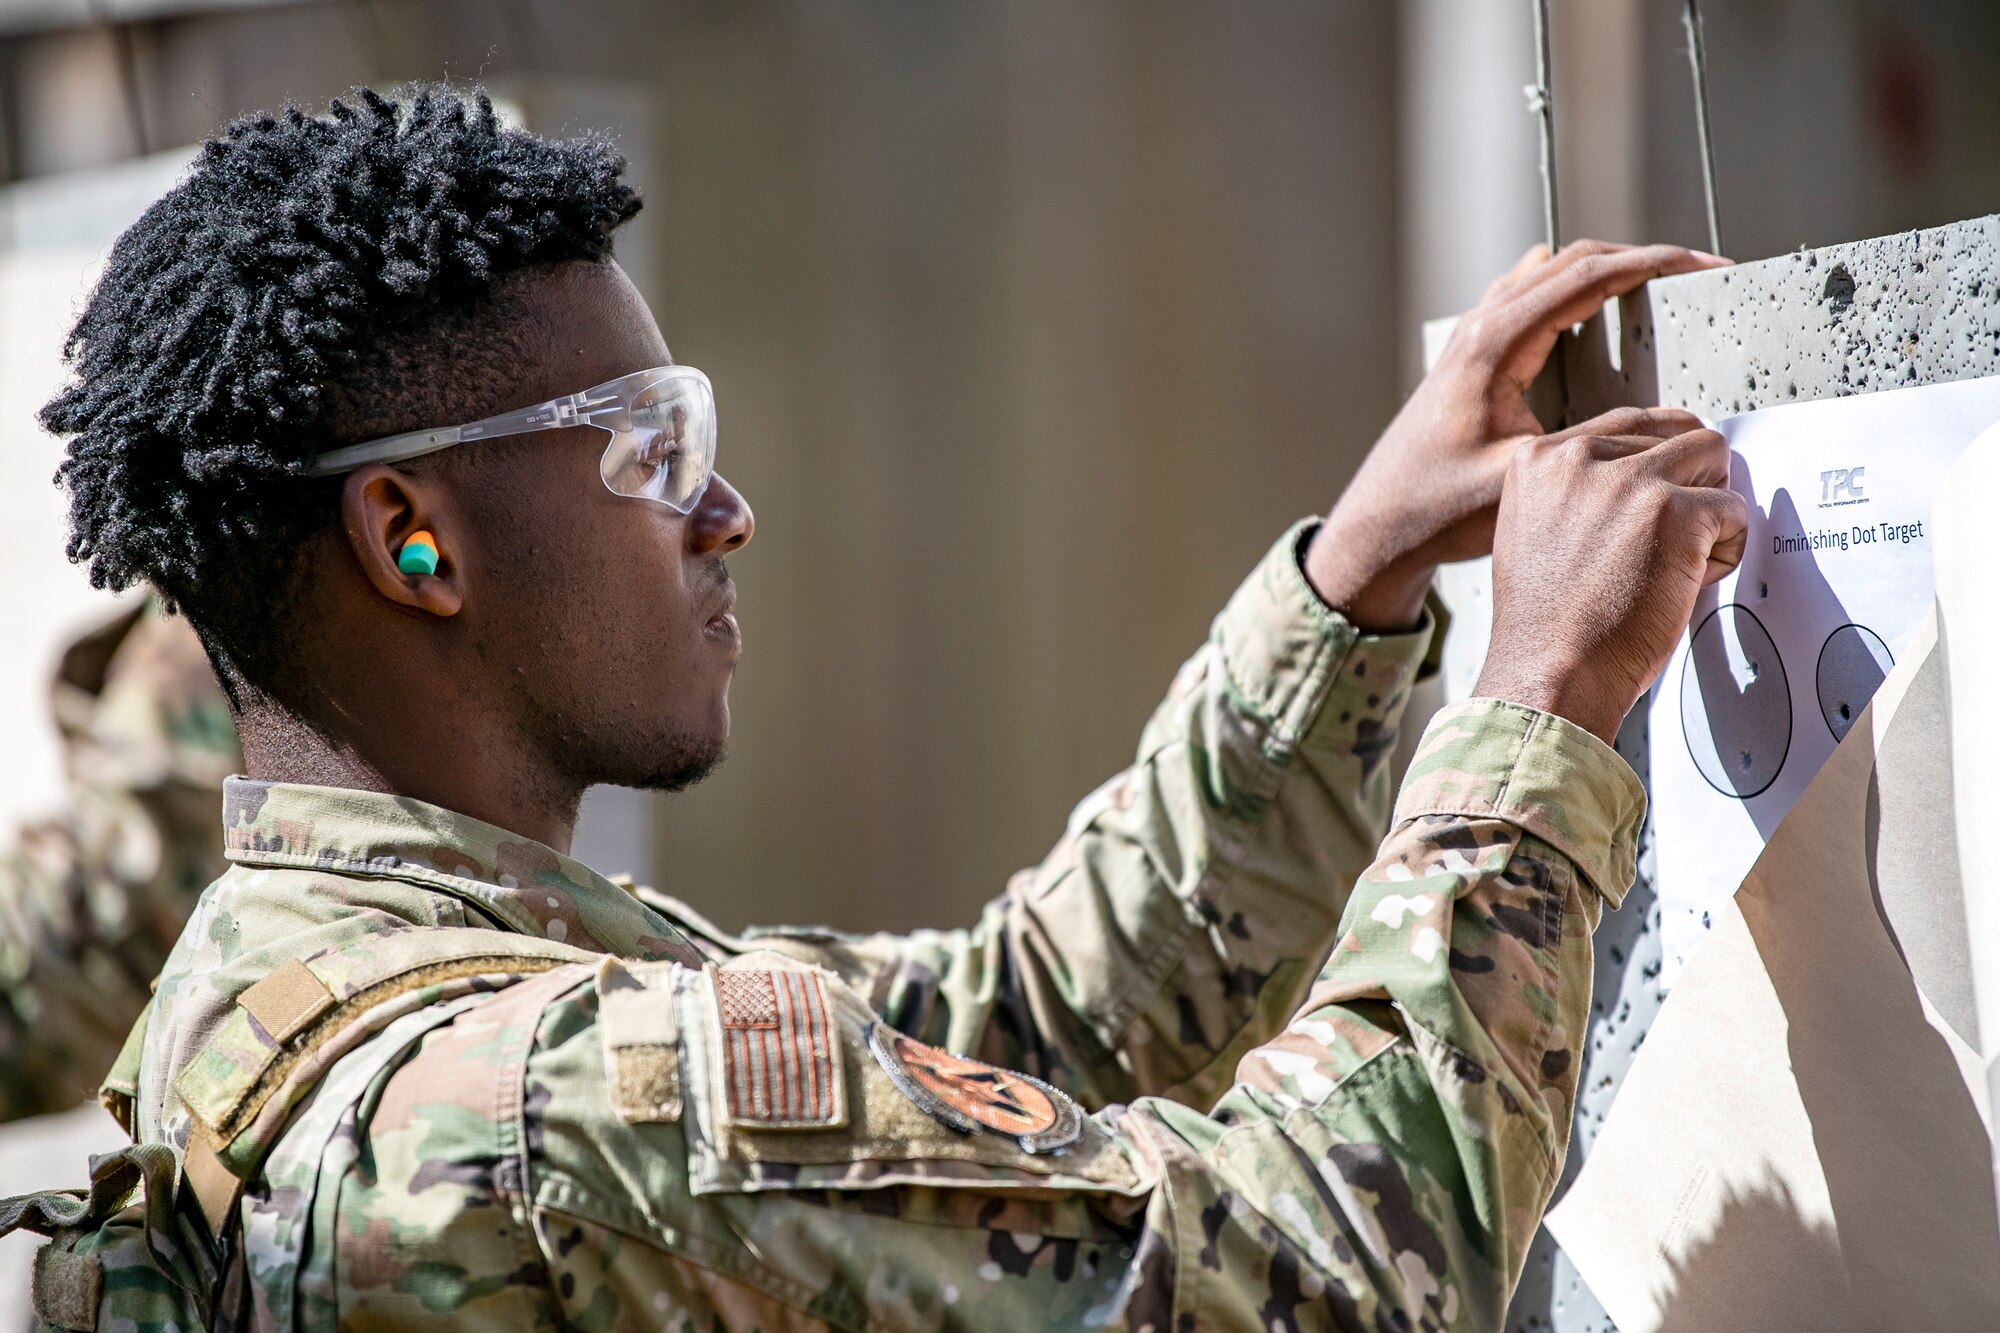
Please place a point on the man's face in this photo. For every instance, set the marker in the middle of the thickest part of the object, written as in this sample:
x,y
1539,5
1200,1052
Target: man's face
x,y
605,621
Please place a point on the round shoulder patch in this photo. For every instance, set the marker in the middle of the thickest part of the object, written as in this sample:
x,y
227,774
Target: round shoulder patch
x,y
968,1096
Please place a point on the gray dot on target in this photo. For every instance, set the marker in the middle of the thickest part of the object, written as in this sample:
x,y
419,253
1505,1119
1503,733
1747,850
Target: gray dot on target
x,y
1853,663
1736,703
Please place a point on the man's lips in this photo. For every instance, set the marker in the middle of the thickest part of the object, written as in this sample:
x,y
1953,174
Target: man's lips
x,y
721,623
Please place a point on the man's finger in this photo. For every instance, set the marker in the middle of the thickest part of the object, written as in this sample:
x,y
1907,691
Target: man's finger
x,y
1574,286
1662,423
1571,287
1589,253
1525,276
1699,458
1610,447
1504,286
1567,257
1728,518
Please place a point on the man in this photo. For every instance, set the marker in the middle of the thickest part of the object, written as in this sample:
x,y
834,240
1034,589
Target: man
x,y
369,400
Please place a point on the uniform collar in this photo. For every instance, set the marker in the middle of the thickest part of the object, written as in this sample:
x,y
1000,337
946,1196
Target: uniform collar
x,y
523,885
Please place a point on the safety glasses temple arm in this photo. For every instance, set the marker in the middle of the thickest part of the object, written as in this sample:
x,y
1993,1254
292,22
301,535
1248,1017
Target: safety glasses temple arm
x,y
555,413
389,449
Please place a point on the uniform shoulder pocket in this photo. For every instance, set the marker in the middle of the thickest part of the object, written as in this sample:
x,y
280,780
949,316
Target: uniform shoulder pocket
x,y
790,1081
641,1030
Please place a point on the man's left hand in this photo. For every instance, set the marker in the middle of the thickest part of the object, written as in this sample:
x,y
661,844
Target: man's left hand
x,y
1429,490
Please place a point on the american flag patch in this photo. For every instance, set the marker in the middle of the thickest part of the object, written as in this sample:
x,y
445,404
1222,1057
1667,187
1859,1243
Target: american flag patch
x,y
780,1053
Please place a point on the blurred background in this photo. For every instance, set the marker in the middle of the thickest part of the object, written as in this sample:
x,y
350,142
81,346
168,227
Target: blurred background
x,y
1032,321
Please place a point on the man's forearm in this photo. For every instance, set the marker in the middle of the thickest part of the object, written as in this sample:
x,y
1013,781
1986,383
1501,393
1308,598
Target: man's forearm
x,y
1395,1146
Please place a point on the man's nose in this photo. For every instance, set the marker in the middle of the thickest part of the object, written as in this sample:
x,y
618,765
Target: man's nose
x,y
721,521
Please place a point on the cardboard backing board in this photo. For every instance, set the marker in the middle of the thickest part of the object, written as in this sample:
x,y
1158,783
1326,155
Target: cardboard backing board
x,y
1804,1141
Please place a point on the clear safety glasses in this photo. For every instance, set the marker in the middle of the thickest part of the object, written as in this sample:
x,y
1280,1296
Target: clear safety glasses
x,y
661,422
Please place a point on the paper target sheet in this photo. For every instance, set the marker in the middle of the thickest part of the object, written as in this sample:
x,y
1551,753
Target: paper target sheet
x,y
1781,656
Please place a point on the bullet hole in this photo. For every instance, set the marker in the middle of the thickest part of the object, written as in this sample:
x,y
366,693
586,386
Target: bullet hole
x,y
1763,590
1745,761
1845,714
1839,293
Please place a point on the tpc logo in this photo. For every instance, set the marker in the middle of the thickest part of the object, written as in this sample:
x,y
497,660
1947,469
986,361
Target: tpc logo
x,y
1842,486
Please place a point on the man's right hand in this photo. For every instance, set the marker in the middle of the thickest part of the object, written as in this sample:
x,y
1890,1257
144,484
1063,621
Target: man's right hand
x,y
1606,534
1428,491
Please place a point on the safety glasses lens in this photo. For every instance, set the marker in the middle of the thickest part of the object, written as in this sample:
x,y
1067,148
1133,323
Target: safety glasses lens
x,y
663,445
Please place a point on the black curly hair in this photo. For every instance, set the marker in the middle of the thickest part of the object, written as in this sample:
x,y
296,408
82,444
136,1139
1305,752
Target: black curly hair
x,y
311,281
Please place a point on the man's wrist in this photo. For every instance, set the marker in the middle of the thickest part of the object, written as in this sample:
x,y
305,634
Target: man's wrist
x,y
1565,691
1376,593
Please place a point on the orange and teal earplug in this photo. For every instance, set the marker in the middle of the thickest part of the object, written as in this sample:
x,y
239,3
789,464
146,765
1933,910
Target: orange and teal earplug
x,y
419,554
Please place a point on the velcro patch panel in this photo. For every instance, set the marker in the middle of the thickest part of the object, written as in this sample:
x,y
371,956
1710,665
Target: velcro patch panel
x,y
641,1031
780,1060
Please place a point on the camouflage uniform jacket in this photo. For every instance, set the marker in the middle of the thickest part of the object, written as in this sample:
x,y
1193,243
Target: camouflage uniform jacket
x,y
91,900
649,1135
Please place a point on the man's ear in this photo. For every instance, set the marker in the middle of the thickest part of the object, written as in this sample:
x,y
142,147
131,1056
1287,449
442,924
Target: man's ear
x,y
380,509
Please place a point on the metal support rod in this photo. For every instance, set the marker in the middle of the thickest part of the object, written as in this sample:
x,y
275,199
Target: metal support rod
x,y
1541,102
1698,61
